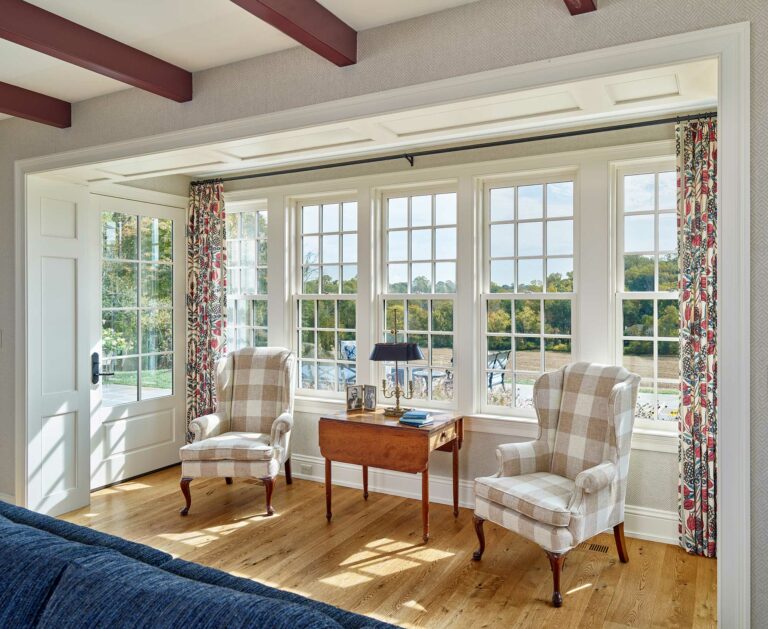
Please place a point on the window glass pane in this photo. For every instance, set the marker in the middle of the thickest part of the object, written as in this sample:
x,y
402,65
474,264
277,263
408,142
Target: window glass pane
x,y
421,244
669,318
667,232
156,285
398,278
421,211
557,316
527,316
445,209
560,199
442,384
308,313
349,221
310,221
347,346
260,338
119,333
156,376
559,237
442,350
639,193
503,240
394,314
638,233
349,279
421,277
669,272
397,213
502,276
118,236
248,281
638,273
330,279
445,243
560,275
260,308
422,340
119,283
527,353
638,357
248,223
530,239
262,219
331,217
398,246
261,282
418,314
502,204
524,390
232,225
530,274
122,387
638,317
248,253
557,353
156,331
530,202
308,376
445,277
308,343
500,388
156,239
442,315
349,248
499,315
669,361
326,344
346,314
326,376
331,248
347,375
668,190
499,351
326,313
311,279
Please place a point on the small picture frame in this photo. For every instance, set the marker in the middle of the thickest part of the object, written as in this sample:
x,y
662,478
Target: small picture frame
x,y
355,397
369,397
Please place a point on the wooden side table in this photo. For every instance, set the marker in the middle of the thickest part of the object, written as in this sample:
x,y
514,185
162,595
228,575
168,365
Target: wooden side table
x,y
371,439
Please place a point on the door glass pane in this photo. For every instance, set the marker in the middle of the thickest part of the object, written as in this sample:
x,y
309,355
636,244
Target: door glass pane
x,y
119,284
118,236
119,335
156,239
157,285
157,330
122,387
156,376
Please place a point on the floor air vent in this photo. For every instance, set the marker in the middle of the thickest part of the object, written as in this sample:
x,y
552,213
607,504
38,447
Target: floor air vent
x,y
598,548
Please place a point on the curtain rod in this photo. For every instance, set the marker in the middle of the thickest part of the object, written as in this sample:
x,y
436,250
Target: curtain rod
x,y
410,157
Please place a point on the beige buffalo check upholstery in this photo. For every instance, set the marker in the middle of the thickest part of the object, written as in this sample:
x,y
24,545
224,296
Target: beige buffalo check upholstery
x,y
570,483
249,434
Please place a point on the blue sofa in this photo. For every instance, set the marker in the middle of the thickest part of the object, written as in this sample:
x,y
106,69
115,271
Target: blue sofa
x,y
57,574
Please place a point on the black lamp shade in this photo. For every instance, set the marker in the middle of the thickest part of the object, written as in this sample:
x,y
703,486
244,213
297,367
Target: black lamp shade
x,y
396,351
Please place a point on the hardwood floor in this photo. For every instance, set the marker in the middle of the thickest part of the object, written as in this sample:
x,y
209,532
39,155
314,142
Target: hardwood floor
x,y
370,559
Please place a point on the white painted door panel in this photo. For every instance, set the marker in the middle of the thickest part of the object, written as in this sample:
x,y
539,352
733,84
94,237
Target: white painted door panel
x,y
58,345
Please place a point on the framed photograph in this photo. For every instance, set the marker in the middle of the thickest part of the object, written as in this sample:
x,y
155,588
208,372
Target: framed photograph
x,y
369,397
354,397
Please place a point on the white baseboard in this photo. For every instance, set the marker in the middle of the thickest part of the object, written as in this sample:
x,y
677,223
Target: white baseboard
x,y
10,498
640,522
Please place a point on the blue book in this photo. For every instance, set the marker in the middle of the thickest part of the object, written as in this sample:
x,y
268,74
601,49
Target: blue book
x,y
417,423
414,414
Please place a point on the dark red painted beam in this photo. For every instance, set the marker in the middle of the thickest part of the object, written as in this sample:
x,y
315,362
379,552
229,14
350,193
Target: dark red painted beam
x,y
310,24
16,101
30,26
576,7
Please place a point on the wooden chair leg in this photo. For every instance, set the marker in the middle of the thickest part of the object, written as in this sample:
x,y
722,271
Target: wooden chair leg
x,y
184,484
621,544
478,554
288,477
556,561
228,479
269,484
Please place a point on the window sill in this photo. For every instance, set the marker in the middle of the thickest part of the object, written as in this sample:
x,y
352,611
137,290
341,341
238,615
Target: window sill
x,y
655,440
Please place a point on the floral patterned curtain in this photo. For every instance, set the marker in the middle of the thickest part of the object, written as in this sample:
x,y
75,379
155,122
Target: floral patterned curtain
x,y
697,234
206,295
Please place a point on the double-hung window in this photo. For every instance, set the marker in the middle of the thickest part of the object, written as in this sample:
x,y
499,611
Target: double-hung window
x,y
326,305
420,255
647,281
528,286
246,247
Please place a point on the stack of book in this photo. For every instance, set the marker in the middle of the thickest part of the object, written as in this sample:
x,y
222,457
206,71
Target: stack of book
x,y
416,418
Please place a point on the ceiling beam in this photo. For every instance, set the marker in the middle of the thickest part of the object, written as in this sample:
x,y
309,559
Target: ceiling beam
x,y
30,26
577,7
22,103
310,24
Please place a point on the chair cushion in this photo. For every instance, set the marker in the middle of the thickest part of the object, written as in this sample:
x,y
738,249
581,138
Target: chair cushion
x,y
541,496
230,446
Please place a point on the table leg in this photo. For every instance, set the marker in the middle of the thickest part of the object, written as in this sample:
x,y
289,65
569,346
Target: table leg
x,y
456,478
328,489
425,502
365,482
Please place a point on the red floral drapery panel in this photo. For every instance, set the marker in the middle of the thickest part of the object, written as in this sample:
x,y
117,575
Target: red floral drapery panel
x,y
697,233
206,295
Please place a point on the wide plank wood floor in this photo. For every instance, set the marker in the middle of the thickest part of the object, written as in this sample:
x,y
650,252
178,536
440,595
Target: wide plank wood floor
x,y
370,559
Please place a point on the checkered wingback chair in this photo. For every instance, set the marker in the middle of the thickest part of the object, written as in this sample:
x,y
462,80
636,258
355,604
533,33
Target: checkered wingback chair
x,y
249,434
570,483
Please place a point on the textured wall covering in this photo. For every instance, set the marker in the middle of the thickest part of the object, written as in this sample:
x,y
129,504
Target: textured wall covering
x,y
471,38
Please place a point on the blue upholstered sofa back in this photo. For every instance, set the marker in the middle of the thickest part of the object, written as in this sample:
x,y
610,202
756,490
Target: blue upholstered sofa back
x,y
57,574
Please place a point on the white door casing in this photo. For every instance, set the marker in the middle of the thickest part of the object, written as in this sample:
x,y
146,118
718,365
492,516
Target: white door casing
x,y
138,435
57,470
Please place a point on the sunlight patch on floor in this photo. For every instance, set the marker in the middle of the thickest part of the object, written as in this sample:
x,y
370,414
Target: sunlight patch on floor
x,y
345,579
578,588
412,604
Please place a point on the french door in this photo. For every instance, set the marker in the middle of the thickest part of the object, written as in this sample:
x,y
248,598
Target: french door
x,y
137,393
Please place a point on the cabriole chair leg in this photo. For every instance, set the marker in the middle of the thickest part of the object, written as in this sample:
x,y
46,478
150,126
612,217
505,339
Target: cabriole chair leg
x,y
478,554
556,561
269,485
184,484
621,543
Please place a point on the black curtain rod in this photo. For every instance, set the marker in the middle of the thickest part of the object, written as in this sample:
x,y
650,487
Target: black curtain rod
x,y
410,157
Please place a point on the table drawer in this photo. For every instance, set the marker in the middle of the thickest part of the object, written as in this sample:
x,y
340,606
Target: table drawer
x,y
442,437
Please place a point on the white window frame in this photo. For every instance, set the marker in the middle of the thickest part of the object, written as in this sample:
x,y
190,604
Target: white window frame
x,y
411,190
242,208
654,166
517,180
295,205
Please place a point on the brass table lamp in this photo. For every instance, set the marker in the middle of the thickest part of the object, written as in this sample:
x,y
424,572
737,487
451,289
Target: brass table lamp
x,y
396,352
